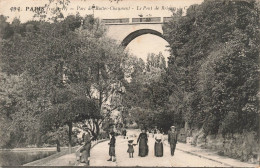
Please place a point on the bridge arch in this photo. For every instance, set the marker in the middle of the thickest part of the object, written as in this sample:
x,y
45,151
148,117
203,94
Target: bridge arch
x,y
138,33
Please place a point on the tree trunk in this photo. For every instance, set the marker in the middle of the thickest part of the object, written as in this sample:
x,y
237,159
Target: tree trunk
x,y
58,144
97,128
39,140
95,131
70,134
186,127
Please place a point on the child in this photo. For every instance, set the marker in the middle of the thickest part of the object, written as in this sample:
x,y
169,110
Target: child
x,y
111,144
131,148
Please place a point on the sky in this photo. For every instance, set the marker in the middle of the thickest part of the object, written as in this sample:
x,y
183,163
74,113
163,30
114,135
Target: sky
x,y
106,9
148,44
132,7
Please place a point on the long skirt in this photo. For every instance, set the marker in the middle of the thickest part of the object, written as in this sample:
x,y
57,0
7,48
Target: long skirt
x,y
158,149
112,151
85,153
143,148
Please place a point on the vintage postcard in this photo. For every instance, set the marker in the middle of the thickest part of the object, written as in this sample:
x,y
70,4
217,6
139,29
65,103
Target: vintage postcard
x,y
129,83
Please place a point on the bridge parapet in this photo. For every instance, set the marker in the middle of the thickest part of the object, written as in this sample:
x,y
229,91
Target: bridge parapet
x,y
141,20
111,21
146,19
166,19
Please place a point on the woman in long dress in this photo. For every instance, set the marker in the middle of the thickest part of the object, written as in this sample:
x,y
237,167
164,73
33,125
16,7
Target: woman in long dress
x,y
143,147
158,146
86,148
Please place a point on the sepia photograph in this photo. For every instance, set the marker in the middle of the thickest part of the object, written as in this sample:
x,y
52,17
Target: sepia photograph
x,y
129,83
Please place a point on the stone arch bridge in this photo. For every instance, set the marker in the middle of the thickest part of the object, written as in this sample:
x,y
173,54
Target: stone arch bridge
x,y
125,30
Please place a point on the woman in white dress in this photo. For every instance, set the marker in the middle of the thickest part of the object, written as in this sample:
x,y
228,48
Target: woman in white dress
x,y
158,146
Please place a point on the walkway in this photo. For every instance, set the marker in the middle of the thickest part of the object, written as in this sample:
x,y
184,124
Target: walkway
x,y
185,156
99,156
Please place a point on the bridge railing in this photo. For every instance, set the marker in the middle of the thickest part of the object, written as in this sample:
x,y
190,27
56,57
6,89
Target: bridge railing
x,y
146,19
122,20
136,20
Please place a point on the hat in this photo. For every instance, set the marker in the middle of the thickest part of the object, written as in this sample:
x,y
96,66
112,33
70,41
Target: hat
x,y
112,133
172,126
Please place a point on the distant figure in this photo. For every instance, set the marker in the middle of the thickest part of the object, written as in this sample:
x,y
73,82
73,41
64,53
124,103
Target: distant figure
x,y
143,147
172,139
158,146
124,133
86,146
112,144
130,149
58,145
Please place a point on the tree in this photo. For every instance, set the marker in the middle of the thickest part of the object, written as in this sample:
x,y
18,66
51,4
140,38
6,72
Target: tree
x,y
20,113
212,48
77,68
156,61
104,67
146,94
5,30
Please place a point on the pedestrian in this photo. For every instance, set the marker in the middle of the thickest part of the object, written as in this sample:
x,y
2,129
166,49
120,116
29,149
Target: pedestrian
x,y
158,145
172,139
58,144
130,149
85,150
143,140
112,145
124,133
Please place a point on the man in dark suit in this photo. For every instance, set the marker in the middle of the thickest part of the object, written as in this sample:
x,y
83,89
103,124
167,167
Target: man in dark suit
x,y
172,139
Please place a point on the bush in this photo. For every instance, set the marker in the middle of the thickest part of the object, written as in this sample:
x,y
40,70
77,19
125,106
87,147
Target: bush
x,y
238,146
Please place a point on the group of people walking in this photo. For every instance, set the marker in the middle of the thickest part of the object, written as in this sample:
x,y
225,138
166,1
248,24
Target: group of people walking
x,y
142,141
158,146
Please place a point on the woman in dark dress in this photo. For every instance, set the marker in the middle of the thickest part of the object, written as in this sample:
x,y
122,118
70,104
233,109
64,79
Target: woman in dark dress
x,y
112,151
86,148
143,147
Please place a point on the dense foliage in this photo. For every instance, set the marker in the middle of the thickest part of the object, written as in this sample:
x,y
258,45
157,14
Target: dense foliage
x,y
212,79
146,98
54,75
70,69
214,65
